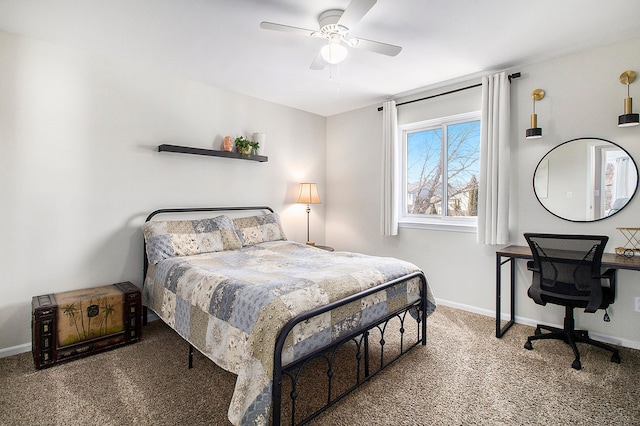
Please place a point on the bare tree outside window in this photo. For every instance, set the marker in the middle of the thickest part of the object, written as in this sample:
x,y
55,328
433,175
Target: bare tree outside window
x,y
443,164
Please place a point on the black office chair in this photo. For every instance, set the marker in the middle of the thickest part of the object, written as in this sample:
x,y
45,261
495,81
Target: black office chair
x,y
567,271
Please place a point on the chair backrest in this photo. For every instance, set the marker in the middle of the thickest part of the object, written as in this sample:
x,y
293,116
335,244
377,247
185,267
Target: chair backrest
x,y
567,267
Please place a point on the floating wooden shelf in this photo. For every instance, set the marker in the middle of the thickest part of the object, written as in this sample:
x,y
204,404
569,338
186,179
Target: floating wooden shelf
x,y
210,152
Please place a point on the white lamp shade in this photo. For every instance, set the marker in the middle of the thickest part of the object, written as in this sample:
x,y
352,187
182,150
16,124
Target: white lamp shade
x,y
308,194
334,52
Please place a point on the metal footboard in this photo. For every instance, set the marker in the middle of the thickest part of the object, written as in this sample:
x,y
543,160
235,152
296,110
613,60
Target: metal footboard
x,y
359,338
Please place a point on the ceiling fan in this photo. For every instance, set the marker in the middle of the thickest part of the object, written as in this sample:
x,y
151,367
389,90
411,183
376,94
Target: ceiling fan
x,y
335,25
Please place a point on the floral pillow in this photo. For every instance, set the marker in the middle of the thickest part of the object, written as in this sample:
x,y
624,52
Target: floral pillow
x,y
259,229
174,238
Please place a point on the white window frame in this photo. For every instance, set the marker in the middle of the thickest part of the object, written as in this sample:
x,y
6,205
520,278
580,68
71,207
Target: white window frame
x,y
441,223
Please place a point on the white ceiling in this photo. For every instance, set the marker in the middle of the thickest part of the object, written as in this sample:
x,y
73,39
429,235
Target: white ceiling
x,y
219,42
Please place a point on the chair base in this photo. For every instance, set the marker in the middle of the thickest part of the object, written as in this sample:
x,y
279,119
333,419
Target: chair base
x,y
570,336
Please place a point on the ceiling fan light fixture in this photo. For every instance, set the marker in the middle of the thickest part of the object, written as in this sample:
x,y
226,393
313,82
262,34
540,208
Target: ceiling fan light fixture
x,y
333,52
334,25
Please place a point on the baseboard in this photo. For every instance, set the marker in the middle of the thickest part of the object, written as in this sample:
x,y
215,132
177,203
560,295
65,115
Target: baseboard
x,y
531,322
15,350
467,308
26,347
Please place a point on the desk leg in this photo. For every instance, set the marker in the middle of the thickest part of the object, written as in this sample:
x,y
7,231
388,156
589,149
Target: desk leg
x,y
501,330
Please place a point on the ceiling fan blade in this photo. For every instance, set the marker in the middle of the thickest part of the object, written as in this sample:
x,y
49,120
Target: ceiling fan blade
x,y
355,11
286,28
375,46
318,63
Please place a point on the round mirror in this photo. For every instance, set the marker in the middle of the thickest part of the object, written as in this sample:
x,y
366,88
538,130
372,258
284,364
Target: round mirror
x,y
584,180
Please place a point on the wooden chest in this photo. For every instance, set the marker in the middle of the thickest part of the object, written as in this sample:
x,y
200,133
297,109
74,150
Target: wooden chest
x,y
73,324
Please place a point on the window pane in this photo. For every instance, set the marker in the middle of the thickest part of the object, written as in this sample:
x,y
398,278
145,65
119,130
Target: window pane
x,y
424,172
463,153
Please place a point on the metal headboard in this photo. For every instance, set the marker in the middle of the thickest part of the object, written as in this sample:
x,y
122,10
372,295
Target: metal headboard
x,y
186,210
205,209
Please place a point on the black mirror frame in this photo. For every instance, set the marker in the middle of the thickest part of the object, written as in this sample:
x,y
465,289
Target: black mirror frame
x,y
533,180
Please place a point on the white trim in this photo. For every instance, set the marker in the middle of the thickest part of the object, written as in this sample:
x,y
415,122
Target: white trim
x,y
463,307
15,350
471,228
434,122
26,347
612,340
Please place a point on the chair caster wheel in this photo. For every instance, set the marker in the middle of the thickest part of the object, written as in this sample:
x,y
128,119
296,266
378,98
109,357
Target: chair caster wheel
x,y
528,346
576,364
615,358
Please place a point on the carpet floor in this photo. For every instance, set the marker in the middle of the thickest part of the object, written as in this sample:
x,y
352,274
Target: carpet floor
x,y
464,376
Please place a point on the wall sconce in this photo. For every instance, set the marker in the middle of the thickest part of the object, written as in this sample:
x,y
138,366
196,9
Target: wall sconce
x,y
308,194
628,118
535,132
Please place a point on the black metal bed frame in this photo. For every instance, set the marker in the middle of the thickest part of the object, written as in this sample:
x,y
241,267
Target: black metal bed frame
x,y
359,337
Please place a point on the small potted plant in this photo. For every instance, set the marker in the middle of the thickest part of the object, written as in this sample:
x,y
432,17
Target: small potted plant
x,y
245,146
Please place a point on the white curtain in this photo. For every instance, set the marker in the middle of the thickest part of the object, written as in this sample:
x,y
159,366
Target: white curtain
x,y
390,158
493,193
621,181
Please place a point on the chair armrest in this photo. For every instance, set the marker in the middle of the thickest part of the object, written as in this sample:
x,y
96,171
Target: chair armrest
x,y
610,275
530,266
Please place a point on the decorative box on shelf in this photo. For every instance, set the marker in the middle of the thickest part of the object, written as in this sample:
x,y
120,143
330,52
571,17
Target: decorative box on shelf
x,y
78,323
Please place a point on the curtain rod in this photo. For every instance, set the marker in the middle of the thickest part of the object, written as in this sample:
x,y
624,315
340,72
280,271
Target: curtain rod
x,y
511,76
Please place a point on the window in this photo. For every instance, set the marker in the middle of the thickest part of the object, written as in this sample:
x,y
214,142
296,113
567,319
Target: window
x,y
440,173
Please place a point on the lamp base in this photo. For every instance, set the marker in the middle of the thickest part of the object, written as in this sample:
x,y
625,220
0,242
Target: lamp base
x,y
311,243
627,120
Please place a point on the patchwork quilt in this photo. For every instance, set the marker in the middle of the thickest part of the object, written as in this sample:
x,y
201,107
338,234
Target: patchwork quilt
x,y
232,304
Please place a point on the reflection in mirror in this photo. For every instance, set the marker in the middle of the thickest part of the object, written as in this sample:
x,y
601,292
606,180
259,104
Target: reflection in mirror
x,y
585,180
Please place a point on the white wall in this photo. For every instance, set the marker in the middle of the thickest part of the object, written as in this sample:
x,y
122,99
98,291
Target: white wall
x,y
79,171
79,167
583,98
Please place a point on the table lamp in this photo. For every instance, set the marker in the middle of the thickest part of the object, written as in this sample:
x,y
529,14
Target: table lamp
x,y
308,194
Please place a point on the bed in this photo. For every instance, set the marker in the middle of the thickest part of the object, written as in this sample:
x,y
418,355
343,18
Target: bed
x,y
263,307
